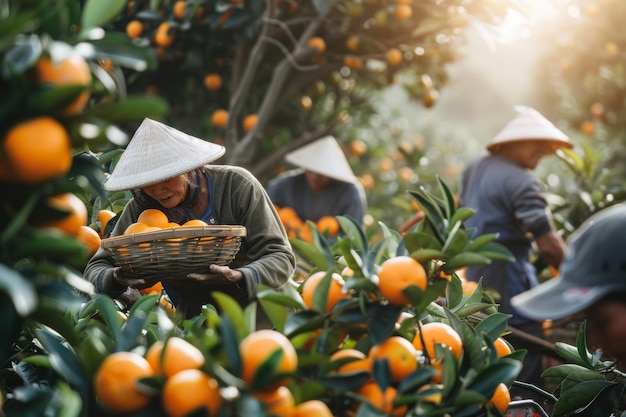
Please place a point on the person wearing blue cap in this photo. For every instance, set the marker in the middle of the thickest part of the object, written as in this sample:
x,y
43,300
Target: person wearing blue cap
x,y
591,280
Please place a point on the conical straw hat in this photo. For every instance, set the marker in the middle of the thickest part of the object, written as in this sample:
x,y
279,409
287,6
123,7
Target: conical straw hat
x,y
529,124
158,152
325,157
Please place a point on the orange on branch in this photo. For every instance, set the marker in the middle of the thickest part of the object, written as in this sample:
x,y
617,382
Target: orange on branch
x,y
312,408
35,151
398,273
164,35
278,402
104,216
400,354
258,346
335,290
191,390
134,29
500,399
502,347
219,118
328,225
115,383
361,362
317,43
90,238
173,356
437,333
179,9
249,122
73,70
358,147
382,400
394,57
76,217
213,82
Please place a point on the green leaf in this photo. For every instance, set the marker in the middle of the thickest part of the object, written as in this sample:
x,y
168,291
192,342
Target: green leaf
x,y
131,331
480,242
230,308
311,253
432,212
52,100
449,202
355,233
63,360
572,371
582,396
504,371
97,13
425,255
465,259
132,109
493,326
570,354
419,240
21,291
303,321
456,241
460,215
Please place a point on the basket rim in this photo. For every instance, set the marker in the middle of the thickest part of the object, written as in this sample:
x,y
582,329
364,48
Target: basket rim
x,y
174,232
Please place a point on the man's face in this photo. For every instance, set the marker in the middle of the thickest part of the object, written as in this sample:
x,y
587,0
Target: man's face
x,y
317,182
527,153
169,193
606,329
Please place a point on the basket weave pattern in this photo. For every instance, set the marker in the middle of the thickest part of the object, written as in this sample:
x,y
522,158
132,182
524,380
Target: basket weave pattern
x,y
175,252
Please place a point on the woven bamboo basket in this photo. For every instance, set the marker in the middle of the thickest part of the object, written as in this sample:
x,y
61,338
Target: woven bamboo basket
x,y
175,252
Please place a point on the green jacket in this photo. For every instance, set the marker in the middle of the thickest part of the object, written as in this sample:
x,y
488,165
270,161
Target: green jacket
x,y
265,256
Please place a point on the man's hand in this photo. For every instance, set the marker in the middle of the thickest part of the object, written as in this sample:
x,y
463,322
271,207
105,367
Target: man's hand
x,y
218,275
137,283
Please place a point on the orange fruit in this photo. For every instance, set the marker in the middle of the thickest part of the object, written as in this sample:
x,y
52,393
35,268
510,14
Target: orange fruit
x,y
383,401
394,56
353,62
328,225
249,122
500,399
135,228
164,35
153,218
403,11
335,290
353,42
90,238
179,9
134,29
400,354
219,118
154,289
103,217
397,274
257,347
502,347
73,70
438,333
194,223
587,127
317,43
76,217
312,408
115,383
287,214
360,363
191,390
358,147
36,150
278,402
430,98
212,82
173,356
306,102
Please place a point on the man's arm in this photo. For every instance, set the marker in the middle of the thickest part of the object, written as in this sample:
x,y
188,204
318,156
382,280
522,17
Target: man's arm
x,y
551,247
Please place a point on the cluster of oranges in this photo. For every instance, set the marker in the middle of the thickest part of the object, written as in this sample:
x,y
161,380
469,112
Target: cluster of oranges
x,y
184,386
151,220
298,228
403,355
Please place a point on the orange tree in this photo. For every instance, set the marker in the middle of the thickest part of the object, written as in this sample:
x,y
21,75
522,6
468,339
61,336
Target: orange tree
x,y
404,369
304,69
582,69
62,100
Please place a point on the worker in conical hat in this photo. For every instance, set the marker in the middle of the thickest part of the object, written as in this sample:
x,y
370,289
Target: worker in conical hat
x,y
508,200
322,184
169,170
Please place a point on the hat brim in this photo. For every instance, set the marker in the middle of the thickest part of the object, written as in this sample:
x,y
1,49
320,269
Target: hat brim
x,y
556,143
556,299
